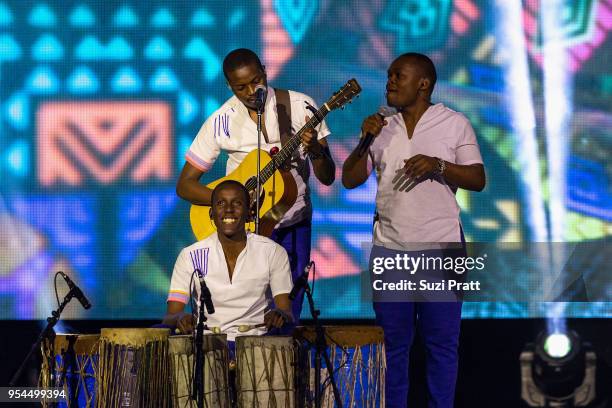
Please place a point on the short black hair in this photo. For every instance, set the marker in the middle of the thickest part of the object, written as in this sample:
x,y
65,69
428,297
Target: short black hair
x,y
239,58
425,64
228,184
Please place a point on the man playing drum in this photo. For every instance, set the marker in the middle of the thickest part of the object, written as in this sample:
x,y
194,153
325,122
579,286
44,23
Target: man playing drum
x,y
240,269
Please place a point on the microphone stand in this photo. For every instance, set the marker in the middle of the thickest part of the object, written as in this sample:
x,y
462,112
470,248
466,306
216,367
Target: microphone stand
x,y
47,333
257,190
321,352
198,380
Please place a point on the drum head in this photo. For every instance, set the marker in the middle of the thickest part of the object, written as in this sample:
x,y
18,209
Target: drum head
x,y
134,337
183,344
79,343
264,341
345,336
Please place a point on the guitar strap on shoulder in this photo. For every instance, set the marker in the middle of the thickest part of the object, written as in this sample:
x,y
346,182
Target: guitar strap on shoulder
x,y
283,109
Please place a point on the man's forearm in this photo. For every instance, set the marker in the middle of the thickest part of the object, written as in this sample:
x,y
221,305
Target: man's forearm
x,y
194,192
324,167
171,319
355,170
468,177
283,303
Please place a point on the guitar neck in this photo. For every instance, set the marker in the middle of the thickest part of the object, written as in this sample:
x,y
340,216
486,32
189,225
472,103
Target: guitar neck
x,y
292,144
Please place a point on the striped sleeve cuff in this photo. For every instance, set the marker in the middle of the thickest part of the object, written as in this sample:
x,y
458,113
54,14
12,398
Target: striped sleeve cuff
x,y
196,162
178,296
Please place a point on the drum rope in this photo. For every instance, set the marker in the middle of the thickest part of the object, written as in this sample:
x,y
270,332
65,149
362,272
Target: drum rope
x,y
143,380
181,370
285,353
271,362
372,378
362,381
356,368
268,365
216,376
251,371
82,370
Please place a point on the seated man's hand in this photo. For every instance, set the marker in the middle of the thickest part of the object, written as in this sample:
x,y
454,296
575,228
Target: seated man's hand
x,y
185,324
277,318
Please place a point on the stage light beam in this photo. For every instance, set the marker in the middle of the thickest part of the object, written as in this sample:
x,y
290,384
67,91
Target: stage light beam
x,y
512,48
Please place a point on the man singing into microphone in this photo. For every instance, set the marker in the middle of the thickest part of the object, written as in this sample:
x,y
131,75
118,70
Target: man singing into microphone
x,y
238,268
421,155
233,127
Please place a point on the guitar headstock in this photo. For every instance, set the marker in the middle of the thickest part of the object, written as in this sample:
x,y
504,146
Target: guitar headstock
x,y
345,95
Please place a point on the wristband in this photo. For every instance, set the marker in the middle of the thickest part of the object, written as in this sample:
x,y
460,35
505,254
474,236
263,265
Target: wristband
x,y
441,166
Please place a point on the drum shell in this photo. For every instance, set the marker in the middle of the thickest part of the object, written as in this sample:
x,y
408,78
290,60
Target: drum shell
x,y
358,357
70,363
216,387
266,373
134,368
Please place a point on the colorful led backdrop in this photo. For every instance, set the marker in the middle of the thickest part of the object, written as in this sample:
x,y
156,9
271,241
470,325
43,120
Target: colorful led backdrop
x,y
99,101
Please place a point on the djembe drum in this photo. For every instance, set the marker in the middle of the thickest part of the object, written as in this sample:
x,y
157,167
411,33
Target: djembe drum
x,y
70,362
133,369
266,371
357,354
182,354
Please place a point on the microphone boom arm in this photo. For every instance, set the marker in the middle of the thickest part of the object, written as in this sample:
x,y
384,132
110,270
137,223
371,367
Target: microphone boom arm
x,y
47,333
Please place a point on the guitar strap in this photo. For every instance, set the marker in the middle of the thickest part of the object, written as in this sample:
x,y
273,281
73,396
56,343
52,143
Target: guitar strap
x,y
283,109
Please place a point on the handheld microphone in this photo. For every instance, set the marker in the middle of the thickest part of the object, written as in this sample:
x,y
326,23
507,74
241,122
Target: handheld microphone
x,y
205,295
76,291
260,96
301,282
368,139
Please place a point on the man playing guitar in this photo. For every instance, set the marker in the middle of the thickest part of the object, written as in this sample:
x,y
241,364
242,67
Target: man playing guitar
x,y
233,127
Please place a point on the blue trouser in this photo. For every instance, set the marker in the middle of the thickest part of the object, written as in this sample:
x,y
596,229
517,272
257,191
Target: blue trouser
x,y
438,323
296,241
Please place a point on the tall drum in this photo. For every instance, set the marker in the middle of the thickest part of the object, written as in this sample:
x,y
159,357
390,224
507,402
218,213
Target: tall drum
x,y
266,371
70,362
134,368
182,355
357,354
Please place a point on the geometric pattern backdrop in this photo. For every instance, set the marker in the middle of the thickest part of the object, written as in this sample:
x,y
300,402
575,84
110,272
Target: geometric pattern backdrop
x,y
99,101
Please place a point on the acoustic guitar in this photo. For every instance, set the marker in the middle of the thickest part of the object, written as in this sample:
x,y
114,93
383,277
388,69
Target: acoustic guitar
x,y
278,189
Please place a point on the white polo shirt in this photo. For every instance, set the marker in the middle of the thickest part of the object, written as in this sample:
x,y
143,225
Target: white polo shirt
x,y
262,267
427,213
231,128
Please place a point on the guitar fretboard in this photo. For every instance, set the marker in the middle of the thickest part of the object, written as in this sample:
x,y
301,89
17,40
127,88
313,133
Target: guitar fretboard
x,y
287,151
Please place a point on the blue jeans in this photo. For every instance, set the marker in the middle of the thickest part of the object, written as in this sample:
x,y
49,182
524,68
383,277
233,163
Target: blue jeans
x,y
296,241
438,323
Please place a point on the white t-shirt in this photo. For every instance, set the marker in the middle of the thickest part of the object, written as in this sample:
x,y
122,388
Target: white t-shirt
x,y
262,267
230,128
427,213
